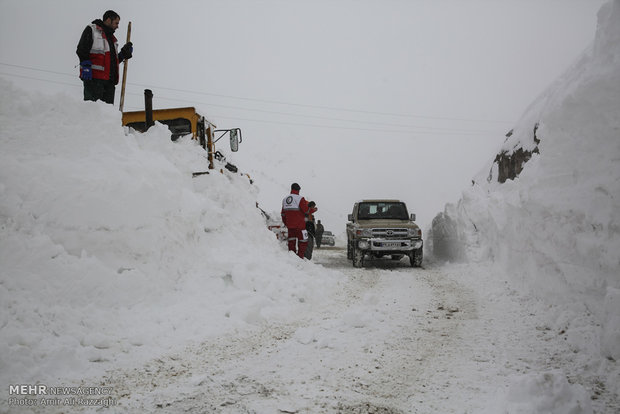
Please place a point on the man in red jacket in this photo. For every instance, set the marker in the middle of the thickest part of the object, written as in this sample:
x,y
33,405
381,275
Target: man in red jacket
x,y
294,209
99,59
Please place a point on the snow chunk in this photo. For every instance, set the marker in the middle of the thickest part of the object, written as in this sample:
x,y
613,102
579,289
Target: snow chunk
x,y
610,341
547,392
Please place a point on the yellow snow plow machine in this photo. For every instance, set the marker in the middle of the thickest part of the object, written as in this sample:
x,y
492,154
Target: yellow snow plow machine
x,y
181,122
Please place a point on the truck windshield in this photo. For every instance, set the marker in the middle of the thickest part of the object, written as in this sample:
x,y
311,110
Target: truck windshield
x,y
382,210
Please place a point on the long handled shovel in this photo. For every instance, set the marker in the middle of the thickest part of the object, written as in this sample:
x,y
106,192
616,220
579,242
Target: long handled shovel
x,y
125,71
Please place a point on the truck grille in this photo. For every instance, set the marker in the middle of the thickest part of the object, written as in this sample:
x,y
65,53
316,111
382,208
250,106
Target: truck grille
x,y
389,233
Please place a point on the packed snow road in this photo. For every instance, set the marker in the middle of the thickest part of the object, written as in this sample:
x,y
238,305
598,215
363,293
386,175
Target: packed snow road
x,y
396,340
375,349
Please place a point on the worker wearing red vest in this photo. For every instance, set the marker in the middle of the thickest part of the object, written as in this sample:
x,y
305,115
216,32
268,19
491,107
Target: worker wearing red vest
x,y
294,210
99,60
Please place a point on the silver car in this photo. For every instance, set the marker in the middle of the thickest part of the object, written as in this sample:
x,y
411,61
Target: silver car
x,y
328,239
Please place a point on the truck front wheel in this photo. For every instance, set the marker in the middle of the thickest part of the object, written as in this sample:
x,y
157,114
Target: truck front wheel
x,y
358,257
415,257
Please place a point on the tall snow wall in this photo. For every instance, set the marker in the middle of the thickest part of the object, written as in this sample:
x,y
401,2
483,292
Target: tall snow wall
x,y
555,226
111,252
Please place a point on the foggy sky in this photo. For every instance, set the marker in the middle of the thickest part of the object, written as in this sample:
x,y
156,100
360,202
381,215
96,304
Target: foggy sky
x,y
352,99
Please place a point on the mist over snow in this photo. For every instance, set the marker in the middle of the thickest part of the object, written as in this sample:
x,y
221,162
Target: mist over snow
x,y
555,229
111,251
413,92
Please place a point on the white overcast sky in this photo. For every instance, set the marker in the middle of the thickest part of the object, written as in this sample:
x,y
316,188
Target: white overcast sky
x,y
352,98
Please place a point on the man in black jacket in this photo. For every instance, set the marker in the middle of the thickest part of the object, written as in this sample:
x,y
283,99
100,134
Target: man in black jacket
x,y
99,60
319,234
310,229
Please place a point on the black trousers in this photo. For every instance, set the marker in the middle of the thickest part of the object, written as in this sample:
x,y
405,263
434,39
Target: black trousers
x,y
308,253
99,89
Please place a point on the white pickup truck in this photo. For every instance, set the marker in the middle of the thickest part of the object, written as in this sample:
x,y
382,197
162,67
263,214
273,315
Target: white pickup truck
x,y
383,227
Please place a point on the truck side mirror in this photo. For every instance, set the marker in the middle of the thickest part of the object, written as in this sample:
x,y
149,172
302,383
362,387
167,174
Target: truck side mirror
x,y
412,216
350,217
235,135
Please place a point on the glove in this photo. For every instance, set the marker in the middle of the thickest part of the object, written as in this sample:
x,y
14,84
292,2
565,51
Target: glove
x,y
86,73
126,51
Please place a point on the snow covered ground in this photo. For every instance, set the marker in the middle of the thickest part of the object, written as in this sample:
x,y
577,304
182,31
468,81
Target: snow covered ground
x,y
118,269
449,339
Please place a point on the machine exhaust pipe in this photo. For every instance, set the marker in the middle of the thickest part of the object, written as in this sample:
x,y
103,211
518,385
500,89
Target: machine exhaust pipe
x,y
148,108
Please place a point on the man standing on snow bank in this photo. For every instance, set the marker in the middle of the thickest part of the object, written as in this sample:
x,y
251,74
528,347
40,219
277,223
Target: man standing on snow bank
x,y
99,60
294,209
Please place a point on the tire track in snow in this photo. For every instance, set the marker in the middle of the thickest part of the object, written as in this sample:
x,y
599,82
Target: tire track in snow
x,y
370,350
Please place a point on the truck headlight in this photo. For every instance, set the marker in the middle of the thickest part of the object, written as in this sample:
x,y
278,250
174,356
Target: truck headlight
x,y
364,232
414,232
363,244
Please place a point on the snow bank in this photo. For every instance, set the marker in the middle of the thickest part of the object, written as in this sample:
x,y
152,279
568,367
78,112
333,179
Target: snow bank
x,y
110,251
555,229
